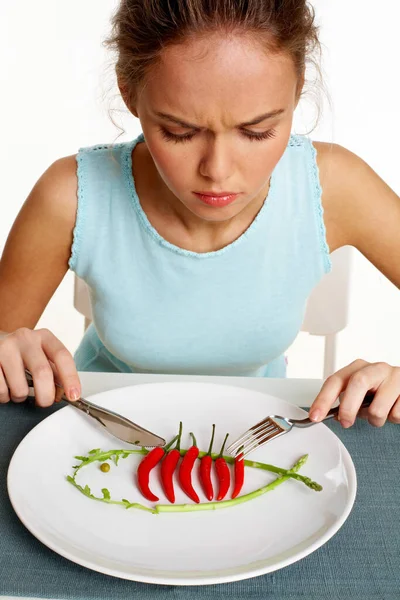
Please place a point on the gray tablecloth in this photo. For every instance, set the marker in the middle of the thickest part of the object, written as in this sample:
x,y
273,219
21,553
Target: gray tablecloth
x,y
361,562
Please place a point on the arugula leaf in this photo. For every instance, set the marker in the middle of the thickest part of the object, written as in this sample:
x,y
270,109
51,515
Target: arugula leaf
x,y
106,494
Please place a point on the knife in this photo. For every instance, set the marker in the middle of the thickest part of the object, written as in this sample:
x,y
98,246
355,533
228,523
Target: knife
x,y
115,424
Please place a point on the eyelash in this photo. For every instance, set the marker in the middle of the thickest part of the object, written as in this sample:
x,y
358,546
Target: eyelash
x,y
171,137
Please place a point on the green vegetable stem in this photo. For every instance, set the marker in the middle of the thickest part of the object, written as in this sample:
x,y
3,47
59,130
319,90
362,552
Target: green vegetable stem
x,y
98,455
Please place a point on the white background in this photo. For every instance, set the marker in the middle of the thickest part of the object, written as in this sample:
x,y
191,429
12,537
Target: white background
x,y
57,87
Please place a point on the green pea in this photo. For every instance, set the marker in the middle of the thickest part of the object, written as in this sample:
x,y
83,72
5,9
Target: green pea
x,y
105,467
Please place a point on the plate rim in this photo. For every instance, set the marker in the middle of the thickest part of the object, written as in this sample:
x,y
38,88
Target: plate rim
x,y
188,578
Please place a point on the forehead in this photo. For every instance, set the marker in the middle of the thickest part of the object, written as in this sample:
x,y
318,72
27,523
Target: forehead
x,y
204,75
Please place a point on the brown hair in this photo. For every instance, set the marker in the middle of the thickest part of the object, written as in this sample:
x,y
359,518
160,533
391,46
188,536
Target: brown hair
x,y
142,29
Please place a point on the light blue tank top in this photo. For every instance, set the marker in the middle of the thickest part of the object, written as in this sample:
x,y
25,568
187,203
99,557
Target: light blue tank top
x,y
158,308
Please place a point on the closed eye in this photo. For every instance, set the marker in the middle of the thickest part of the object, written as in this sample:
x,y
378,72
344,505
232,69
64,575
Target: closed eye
x,y
251,135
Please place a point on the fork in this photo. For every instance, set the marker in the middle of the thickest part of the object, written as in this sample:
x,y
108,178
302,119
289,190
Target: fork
x,y
274,426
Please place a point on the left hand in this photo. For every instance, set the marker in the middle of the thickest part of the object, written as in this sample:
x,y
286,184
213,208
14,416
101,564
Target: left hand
x,y
354,381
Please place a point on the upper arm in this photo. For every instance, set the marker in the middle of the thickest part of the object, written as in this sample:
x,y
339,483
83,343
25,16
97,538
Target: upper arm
x,y
360,209
36,254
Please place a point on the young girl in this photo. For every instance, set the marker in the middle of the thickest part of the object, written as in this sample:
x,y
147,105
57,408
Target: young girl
x,y
202,239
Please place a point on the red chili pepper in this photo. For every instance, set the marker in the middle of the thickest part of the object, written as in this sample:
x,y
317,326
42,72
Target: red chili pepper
x,y
205,470
185,471
147,464
223,473
239,475
168,467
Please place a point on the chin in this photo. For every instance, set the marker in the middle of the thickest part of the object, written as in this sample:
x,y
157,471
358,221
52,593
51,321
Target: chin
x,y
215,215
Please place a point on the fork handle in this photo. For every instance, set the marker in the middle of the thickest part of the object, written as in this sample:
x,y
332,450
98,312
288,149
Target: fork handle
x,y
369,396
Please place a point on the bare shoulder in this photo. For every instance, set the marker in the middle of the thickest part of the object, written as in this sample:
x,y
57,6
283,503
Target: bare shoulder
x,y
345,180
334,160
339,168
52,201
360,209
56,189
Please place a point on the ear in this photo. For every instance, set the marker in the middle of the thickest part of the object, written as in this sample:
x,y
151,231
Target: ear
x,y
126,97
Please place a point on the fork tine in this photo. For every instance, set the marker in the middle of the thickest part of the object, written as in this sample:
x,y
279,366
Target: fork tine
x,y
259,428
257,442
260,438
250,433
256,436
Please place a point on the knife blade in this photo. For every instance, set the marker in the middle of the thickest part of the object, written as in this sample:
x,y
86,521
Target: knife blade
x,y
115,424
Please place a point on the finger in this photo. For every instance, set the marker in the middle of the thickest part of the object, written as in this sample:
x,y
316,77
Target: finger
x,y
59,390
59,394
12,370
64,364
332,389
42,375
4,392
14,374
374,377
24,350
394,415
385,399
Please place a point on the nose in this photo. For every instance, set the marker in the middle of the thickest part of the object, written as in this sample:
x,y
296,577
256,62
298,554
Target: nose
x,y
216,163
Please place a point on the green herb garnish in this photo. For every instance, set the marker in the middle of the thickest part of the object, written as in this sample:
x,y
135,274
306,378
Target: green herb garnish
x,y
98,455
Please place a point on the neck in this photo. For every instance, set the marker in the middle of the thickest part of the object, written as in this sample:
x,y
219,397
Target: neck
x,y
175,222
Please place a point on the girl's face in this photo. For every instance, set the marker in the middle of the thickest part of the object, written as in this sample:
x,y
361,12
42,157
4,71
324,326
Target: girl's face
x,y
217,115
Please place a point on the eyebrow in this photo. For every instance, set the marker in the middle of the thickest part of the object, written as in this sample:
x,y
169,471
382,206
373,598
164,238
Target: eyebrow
x,y
255,121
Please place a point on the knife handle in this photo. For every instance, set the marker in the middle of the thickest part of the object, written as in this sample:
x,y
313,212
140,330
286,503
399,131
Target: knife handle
x,y
81,404
99,413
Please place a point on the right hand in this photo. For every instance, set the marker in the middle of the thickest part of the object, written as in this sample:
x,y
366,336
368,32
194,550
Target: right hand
x,y
46,358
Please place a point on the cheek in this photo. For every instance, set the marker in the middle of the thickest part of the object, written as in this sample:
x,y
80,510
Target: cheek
x,y
251,162
169,163
261,159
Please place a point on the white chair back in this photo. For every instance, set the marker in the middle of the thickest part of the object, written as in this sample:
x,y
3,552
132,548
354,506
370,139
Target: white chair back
x,y
82,300
328,306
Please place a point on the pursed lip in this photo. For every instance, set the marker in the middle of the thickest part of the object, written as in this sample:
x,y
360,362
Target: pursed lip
x,y
217,194
218,199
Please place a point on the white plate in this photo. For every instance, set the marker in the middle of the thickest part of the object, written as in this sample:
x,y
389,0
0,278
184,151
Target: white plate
x,y
207,547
